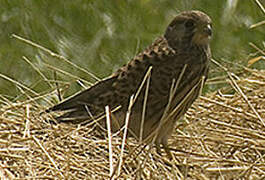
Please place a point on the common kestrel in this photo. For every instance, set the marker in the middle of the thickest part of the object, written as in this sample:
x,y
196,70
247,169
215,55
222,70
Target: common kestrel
x,y
179,62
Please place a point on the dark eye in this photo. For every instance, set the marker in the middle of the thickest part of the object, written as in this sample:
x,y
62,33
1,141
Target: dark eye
x,y
189,24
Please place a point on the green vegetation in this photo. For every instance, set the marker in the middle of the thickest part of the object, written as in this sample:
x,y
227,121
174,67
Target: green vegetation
x,y
101,35
221,136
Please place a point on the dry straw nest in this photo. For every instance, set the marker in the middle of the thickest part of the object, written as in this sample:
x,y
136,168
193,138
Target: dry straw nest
x,y
221,137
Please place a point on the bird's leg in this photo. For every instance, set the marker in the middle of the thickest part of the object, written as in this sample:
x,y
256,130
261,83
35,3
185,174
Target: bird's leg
x,y
158,149
167,149
165,146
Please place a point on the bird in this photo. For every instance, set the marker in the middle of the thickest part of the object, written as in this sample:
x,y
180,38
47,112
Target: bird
x,y
158,85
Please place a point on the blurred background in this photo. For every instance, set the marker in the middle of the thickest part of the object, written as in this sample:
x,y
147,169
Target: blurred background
x,y
102,35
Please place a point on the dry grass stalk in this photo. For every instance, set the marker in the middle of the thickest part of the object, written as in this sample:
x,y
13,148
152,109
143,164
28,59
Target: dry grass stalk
x,y
222,137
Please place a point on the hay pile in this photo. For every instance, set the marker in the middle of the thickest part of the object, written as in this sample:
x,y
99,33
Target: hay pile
x,y
222,137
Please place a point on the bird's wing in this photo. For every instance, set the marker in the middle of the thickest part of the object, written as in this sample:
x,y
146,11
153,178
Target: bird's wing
x,y
130,76
117,89
86,97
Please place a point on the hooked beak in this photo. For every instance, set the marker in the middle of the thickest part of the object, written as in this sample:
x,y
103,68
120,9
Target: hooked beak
x,y
208,30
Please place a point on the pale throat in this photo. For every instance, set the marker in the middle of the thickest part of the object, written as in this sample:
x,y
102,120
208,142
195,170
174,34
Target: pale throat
x,y
201,39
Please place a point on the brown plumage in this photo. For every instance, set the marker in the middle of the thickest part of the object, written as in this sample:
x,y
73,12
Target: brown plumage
x,y
179,59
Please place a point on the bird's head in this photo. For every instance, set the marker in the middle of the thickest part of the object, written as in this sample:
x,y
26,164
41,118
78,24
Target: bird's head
x,y
189,28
